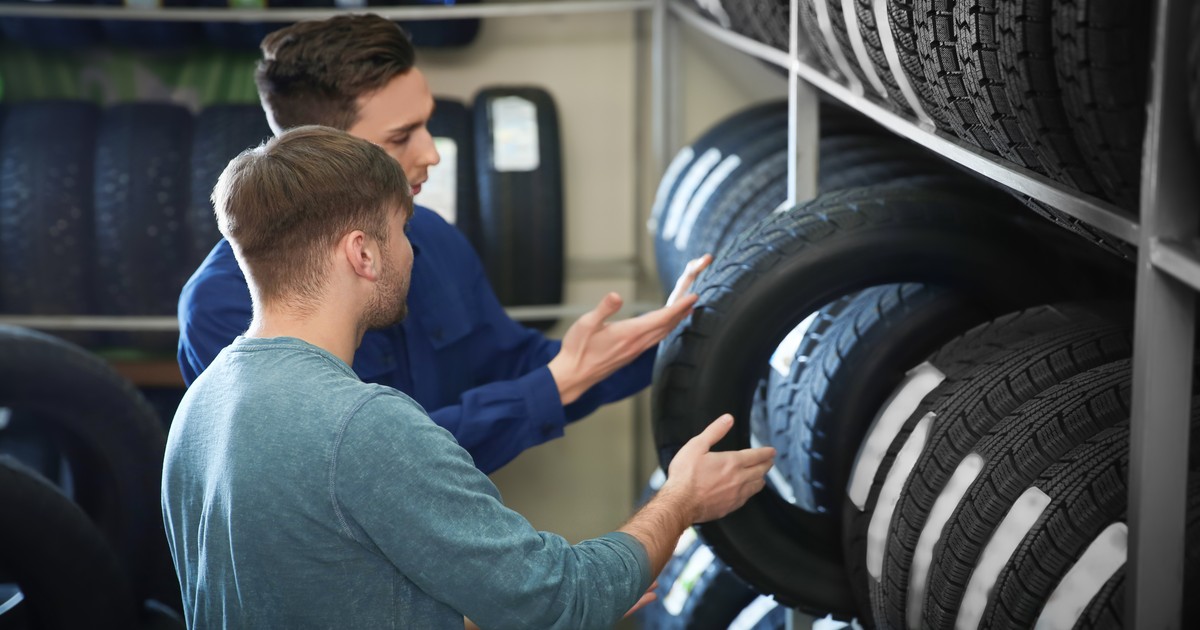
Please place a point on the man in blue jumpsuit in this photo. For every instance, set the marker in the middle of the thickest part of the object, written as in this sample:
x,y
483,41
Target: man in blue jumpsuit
x,y
497,386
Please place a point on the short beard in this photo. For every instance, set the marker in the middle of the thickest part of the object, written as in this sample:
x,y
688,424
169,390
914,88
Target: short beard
x,y
388,307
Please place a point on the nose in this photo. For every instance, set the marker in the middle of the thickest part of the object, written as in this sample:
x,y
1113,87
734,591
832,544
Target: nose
x,y
427,149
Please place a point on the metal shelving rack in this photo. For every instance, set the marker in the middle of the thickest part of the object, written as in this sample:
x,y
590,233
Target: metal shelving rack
x,y
1165,232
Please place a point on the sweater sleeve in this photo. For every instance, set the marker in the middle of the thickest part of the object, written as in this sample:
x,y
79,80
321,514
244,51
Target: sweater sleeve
x,y
402,485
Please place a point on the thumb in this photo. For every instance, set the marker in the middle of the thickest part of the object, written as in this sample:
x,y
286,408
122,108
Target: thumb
x,y
715,431
608,306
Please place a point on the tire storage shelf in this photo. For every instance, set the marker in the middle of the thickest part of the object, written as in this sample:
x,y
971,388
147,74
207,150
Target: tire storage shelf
x,y
142,323
1161,236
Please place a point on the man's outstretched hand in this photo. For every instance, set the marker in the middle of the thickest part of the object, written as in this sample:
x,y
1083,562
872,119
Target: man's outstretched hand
x,y
594,348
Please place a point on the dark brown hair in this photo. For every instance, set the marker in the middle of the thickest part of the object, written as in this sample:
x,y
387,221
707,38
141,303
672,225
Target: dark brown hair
x,y
285,204
312,73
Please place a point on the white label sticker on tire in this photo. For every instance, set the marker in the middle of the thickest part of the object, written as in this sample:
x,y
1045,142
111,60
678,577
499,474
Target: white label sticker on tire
x,y
681,161
440,191
514,134
701,559
891,418
943,508
889,495
703,194
1087,576
754,613
1012,530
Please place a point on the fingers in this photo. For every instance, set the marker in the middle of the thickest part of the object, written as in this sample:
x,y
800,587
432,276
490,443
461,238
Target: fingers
x,y
608,306
713,433
684,284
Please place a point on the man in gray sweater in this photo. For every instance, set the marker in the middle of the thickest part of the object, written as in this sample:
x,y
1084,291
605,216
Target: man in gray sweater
x,y
295,495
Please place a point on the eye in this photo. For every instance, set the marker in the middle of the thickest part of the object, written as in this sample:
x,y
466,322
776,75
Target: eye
x,y
399,140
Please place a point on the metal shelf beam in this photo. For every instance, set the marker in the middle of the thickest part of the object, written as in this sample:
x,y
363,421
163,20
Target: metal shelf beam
x,y
456,12
1176,259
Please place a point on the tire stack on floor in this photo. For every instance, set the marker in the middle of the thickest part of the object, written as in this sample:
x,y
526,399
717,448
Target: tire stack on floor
x,y
945,378
79,474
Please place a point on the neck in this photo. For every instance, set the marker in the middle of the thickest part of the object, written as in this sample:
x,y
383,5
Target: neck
x,y
333,330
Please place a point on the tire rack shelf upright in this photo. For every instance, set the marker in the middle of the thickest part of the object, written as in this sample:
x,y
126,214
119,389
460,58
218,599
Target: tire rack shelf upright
x,y
1165,232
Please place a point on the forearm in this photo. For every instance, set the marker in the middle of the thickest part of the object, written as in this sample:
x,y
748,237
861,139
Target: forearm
x,y
659,524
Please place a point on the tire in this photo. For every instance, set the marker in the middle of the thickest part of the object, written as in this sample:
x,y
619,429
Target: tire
x,y
832,246
451,188
1025,50
1193,72
1088,502
441,33
692,165
766,21
220,133
67,572
904,26
1101,55
764,613
521,195
967,409
141,199
52,34
869,30
46,154
728,187
1013,454
112,440
150,35
879,336
1103,240
952,362
842,35
696,591
961,61
820,53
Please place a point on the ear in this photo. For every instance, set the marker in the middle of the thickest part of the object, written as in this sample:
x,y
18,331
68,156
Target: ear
x,y
361,255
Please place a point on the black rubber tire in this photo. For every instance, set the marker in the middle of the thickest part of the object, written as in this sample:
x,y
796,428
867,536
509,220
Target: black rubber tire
x,y
967,408
832,246
869,30
766,21
1102,54
959,58
112,440
220,133
819,52
451,123
903,23
69,574
1014,452
1094,235
1026,61
696,591
521,209
877,338
1193,73
734,182
53,33
440,33
1088,492
764,613
692,165
46,153
141,200
954,360
160,35
841,34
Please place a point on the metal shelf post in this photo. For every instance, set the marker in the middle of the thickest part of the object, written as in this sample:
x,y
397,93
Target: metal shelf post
x,y
1164,336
